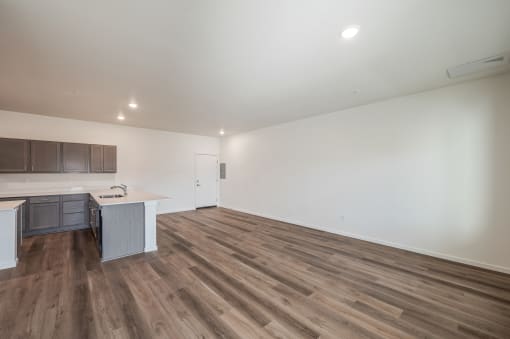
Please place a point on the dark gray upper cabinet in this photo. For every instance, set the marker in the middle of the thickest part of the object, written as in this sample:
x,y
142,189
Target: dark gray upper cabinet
x,y
75,157
45,156
103,159
110,159
14,155
96,158
35,156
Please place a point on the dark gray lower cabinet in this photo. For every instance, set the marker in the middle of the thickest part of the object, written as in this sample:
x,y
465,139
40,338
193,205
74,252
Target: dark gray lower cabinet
x,y
75,210
44,213
55,213
74,219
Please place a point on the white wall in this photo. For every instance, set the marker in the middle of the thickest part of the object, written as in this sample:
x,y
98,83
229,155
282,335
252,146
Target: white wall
x,y
154,161
428,172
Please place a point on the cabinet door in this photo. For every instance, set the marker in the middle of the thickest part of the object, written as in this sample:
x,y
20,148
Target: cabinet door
x,y
45,156
96,158
44,215
75,219
13,155
75,157
110,159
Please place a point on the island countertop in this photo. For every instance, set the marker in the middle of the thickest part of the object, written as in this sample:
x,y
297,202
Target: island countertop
x,y
10,205
132,197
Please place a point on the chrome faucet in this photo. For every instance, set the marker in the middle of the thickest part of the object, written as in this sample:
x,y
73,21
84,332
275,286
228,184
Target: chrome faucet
x,y
122,187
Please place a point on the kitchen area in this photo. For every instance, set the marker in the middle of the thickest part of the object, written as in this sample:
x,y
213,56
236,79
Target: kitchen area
x,y
121,220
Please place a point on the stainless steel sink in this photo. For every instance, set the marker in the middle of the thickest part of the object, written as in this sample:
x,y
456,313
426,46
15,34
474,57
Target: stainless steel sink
x,y
111,196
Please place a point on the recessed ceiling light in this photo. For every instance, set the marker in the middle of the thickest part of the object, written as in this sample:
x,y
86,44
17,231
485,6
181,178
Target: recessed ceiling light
x,y
222,132
121,116
133,105
350,32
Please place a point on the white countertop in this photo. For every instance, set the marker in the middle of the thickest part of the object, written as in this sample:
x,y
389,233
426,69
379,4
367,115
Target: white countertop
x,y
131,198
10,205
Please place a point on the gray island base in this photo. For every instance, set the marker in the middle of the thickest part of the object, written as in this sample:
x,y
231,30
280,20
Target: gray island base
x,y
122,230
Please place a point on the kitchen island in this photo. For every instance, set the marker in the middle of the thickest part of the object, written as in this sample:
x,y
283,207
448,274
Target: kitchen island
x,y
124,224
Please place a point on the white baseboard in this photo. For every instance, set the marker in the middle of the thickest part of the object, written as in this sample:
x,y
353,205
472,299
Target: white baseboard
x,y
175,210
182,210
444,256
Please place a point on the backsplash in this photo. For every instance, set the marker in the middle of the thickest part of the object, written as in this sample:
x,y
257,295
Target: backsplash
x,y
49,182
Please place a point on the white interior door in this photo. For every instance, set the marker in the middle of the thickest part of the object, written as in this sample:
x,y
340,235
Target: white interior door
x,y
206,180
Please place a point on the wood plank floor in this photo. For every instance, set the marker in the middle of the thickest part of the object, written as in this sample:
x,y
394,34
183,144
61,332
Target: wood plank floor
x,y
225,274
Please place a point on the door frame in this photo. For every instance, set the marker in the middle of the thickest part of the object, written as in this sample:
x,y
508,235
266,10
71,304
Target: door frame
x,y
195,177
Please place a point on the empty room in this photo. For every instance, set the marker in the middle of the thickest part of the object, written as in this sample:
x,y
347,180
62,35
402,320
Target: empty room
x,y
255,169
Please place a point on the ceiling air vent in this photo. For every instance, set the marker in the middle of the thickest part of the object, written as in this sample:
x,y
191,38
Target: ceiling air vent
x,y
488,65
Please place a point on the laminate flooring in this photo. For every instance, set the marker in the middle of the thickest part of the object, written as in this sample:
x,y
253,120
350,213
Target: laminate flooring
x,y
219,273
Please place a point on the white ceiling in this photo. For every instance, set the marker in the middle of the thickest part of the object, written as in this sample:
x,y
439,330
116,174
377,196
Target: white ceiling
x,y
198,66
